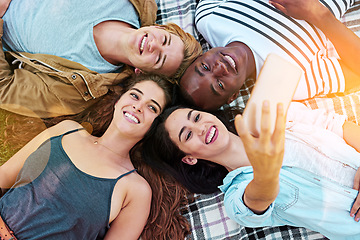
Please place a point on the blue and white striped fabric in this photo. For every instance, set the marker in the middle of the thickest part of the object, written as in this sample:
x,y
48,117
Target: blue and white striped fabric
x,y
266,30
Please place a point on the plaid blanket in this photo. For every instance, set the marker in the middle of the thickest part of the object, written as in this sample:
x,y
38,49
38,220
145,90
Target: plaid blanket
x,y
206,214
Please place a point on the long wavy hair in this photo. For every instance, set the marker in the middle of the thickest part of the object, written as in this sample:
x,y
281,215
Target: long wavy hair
x,y
168,197
161,153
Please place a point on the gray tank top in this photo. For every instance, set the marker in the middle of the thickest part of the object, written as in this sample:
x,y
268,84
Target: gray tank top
x,y
53,199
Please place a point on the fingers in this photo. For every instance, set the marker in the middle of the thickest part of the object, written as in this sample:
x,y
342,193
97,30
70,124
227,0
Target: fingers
x,y
265,126
354,212
242,129
279,131
355,209
278,6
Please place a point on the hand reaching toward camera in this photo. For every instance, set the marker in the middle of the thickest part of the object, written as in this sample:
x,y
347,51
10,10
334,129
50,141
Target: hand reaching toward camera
x,y
265,154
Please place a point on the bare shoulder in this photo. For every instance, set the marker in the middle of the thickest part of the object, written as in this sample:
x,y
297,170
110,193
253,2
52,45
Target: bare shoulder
x,y
139,186
58,129
64,126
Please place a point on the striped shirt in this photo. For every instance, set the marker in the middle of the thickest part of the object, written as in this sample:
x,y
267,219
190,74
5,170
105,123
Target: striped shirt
x,y
266,30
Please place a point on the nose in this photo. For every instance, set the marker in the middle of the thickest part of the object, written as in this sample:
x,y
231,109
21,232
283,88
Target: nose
x,y
154,45
137,107
219,69
200,129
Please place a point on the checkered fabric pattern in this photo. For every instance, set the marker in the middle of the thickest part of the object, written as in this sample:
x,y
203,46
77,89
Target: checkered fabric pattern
x,y
206,213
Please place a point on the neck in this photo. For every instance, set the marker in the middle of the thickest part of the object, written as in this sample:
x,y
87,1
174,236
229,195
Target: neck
x,y
111,40
119,144
234,156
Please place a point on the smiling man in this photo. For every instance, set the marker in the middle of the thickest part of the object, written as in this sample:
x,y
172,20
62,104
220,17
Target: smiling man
x,y
243,33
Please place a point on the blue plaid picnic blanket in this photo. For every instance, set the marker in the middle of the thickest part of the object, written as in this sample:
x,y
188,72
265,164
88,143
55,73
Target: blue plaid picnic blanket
x,y
206,215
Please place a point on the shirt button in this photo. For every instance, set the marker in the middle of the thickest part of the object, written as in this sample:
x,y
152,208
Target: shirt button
x,y
73,76
86,93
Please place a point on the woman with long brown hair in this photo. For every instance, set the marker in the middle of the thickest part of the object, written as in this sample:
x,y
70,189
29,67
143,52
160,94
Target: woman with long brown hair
x,y
69,183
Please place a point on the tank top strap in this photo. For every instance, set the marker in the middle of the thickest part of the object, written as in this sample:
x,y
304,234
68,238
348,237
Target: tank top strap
x,y
123,175
74,130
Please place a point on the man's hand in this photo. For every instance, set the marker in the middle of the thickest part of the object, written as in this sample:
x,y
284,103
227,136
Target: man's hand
x,y
308,10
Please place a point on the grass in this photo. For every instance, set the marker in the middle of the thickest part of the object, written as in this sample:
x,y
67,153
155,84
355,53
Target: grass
x,y
6,151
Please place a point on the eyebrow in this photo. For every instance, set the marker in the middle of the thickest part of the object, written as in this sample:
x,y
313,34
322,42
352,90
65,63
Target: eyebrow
x,y
155,102
213,90
198,71
183,128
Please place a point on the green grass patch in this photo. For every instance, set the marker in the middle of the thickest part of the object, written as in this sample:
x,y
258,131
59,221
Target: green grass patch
x,y
6,151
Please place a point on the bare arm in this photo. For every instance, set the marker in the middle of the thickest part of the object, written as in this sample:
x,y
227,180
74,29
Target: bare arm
x,y
4,4
346,42
132,218
10,169
265,154
351,134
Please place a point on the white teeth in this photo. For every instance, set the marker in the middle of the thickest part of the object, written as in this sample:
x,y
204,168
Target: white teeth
x,y
131,117
142,44
211,135
231,61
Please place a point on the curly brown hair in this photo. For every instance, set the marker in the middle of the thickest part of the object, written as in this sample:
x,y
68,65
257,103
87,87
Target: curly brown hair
x,y
168,197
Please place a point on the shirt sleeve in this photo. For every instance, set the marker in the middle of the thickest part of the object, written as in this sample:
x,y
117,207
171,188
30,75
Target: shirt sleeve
x,y
234,188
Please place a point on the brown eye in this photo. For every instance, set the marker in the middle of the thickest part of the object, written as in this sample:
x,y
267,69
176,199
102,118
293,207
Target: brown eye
x,y
188,135
134,95
205,67
197,117
221,85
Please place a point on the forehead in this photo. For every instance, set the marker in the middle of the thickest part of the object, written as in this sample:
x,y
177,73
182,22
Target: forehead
x,y
151,90
176,120
198,88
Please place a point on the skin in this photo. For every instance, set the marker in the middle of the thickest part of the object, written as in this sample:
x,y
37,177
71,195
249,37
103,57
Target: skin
x,y
119,43
265,153
212,80
312,11
190,131
131,199
4,4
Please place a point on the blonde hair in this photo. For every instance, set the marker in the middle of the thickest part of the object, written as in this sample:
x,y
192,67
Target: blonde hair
x,y
192,49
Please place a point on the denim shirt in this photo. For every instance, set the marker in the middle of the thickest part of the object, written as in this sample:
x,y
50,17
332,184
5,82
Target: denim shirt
x,y
305,199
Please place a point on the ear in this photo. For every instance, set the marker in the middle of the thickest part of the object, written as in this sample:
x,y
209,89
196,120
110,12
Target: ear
x,y
137,71
189,160
233,97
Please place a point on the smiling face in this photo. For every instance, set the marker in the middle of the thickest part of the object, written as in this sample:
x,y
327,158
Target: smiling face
x,y
138,107
216,77
198,134
156,50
